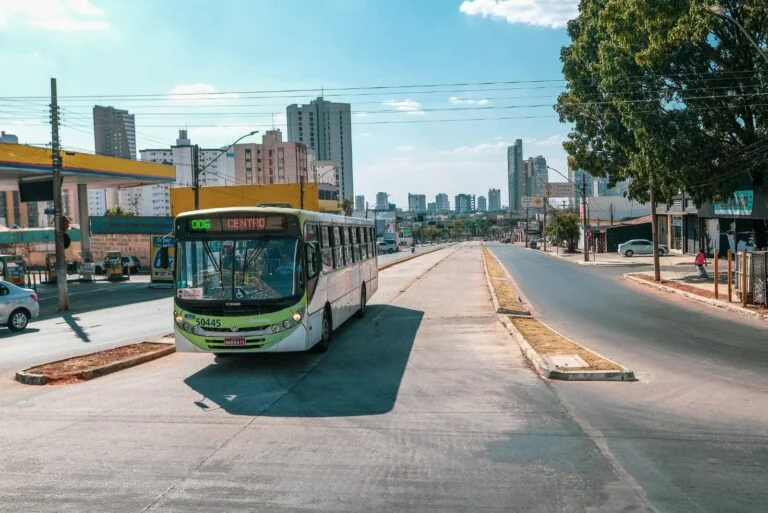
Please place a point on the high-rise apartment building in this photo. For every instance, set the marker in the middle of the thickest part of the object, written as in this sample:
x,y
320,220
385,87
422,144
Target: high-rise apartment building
x,y
382,201
539,176
464,203
431,207
326,129
360,203
580,179
515,175
494,200
441,202
482,205
114,132
417,202
272,161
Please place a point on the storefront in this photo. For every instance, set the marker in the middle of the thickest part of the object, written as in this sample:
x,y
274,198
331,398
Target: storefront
x,y
729,224
678,225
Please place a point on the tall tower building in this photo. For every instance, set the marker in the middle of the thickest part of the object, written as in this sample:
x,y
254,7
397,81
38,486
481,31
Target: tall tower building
x,y
326,129
482,205
441,202
359,203
382,201
114,132
494,200
515,175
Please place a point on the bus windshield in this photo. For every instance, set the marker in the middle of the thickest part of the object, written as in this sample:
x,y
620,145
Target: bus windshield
x,y
259,269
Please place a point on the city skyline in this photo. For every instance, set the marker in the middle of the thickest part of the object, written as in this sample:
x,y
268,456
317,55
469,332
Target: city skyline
x,y
400,141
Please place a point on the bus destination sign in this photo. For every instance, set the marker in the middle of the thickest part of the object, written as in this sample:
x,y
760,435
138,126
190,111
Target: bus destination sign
x,y
240,223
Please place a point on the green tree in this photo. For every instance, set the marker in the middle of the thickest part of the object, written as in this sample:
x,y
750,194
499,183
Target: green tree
x,y
118,211
564,227
346,206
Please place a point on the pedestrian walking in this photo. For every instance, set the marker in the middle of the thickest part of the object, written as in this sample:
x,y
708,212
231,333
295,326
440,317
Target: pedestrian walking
x,y
701,264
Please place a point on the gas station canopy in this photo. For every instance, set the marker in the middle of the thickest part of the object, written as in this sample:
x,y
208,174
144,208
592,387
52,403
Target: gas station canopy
x,y
18,161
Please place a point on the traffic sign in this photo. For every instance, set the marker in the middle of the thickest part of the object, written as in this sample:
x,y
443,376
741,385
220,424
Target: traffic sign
x,y
532,201
558,189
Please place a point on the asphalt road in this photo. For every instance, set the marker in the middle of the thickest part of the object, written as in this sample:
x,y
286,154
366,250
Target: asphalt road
x,y
692,433
424,405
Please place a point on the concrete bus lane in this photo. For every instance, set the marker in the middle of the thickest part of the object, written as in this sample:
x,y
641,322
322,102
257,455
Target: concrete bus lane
x,y
693,431
426,404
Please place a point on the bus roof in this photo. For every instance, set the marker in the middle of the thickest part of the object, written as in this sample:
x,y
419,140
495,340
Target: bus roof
x,y
307,214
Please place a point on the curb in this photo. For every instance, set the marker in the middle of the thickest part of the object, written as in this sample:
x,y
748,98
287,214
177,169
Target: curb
x,y
690,295
592,263
545,371
40,379
494,298
540,363
411,257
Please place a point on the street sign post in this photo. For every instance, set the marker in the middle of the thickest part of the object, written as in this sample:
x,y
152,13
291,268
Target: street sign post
x,y
558,190
532,201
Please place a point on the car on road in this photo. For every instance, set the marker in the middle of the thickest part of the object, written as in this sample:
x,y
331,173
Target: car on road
x,y
640,247
131,262
17,306
387,247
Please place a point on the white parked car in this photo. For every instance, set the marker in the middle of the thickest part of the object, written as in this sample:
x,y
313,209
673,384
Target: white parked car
x,y
387,247
17,306
641,247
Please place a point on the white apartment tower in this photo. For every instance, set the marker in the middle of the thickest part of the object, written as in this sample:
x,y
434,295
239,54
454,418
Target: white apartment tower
x,y
326,129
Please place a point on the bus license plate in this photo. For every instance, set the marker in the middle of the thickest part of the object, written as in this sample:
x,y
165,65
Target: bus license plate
x,y
234,341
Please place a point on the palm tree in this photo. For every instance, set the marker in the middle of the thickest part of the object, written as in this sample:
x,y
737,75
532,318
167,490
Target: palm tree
x,y
347,206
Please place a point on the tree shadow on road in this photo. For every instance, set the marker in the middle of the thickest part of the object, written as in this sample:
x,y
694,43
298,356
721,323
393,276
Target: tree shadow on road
x,y
359,375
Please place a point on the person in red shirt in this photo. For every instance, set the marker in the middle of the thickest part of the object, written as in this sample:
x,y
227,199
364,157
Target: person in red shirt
x,y
701,264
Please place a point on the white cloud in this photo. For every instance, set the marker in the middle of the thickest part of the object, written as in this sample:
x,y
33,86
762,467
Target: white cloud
x,y
497,147
57,15
540,13
200,93
364,134
410,107
405,147
552,140
360,114
469,101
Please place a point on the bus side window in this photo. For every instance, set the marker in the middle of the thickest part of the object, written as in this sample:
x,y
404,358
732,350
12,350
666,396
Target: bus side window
x,y
361,241
327,247
352,245
338,245
371,243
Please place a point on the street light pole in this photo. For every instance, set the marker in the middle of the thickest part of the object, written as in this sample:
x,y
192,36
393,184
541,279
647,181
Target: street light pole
x,y
720,12
197,171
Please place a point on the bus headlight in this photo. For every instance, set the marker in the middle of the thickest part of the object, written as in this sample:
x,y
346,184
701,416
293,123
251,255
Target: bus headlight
x,y
296,317
287,323
275,328
197,330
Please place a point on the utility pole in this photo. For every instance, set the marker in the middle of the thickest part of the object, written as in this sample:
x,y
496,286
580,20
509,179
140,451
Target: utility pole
x,y
544,228
196,174
525,231
301,192
584,219
610,207
655,236
61,258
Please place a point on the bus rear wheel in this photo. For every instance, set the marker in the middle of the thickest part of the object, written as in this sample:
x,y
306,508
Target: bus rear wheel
x,y
326,331
361,312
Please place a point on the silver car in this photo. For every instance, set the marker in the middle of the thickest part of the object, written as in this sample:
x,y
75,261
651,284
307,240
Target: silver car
x,y
641,247
17,306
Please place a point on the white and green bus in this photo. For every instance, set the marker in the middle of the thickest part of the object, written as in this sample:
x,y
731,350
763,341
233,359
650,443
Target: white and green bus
x,y
269,279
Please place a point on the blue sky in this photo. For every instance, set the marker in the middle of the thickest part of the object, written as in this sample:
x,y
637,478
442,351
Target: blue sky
x,y
404,139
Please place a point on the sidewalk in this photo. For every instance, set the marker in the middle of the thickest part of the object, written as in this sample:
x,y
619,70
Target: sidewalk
x,y
687,282
615,259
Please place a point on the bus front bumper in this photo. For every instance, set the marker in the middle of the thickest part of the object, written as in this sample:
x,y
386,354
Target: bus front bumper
x,y
294,340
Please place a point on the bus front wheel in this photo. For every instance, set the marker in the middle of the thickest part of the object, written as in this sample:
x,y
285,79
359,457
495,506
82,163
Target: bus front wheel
x,y
326,330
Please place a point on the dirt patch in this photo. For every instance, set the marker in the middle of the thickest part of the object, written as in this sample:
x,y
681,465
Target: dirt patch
x,y
72,370
548,343
505,292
